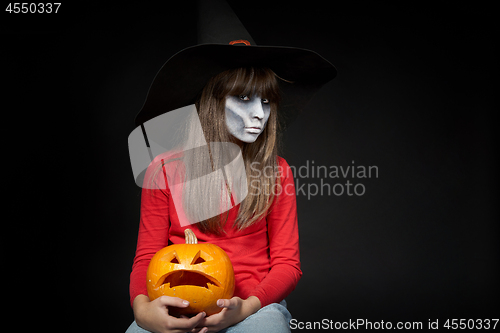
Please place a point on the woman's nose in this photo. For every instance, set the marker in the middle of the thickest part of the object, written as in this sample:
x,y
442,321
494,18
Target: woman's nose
x,y
257,111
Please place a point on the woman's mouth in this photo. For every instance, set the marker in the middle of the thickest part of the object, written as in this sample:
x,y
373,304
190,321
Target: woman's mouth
x,y
253,129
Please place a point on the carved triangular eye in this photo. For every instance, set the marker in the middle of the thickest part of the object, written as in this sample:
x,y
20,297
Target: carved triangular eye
x,y
198,261
200,258
171,257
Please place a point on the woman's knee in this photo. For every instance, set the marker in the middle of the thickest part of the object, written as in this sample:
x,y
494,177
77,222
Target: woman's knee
x,y
134,328
271,318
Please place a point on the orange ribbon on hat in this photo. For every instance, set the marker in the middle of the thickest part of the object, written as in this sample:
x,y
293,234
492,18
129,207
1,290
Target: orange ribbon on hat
x,y
239,41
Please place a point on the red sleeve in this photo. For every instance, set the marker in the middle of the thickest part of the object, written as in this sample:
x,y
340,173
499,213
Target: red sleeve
x,y
153,233
283,235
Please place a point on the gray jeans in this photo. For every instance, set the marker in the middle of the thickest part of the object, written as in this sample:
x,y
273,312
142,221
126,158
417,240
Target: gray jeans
x,y
273,318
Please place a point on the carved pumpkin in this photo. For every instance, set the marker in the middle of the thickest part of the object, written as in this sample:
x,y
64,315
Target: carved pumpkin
x,y
198,273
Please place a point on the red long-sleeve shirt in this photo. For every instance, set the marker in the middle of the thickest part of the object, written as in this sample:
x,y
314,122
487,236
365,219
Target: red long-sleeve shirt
x,y
265,256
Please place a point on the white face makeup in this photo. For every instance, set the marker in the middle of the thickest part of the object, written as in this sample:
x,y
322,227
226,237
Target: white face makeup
x,y
246,116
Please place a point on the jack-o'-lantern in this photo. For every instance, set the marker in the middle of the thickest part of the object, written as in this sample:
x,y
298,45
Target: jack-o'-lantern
x,y
198,273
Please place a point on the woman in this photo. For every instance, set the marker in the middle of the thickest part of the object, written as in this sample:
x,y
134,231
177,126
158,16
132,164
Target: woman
x,y
260,234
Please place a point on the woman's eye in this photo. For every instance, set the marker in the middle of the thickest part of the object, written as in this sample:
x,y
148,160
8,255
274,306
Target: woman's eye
x,y
244,98
265,101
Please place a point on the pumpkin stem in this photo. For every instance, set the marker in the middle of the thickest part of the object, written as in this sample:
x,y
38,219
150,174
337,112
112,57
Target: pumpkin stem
x,y
190,237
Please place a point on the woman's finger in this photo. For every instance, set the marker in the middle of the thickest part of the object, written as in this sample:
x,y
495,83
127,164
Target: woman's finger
x,y
199,330
187,324
228,303
223,303
173,301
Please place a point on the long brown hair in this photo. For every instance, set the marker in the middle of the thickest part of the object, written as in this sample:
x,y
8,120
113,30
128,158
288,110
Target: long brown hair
x,y
260,157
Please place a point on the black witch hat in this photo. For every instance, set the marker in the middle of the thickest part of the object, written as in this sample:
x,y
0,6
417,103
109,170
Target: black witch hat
x,y
224,44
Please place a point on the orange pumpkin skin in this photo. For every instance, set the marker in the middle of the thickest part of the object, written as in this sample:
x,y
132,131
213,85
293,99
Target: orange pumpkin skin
x,y
198,273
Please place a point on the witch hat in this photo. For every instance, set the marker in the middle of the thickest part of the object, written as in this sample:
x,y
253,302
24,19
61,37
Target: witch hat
x,y
224,44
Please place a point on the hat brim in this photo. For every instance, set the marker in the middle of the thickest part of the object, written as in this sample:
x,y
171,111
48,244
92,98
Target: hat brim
x,y
182,78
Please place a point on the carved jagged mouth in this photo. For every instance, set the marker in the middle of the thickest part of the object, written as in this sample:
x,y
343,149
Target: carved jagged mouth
x,y
187,278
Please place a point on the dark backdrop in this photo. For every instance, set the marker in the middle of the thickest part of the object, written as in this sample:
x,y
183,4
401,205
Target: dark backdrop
x,y
414,97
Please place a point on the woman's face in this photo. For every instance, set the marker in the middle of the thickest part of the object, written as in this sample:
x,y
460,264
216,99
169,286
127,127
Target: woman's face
x,y
246,116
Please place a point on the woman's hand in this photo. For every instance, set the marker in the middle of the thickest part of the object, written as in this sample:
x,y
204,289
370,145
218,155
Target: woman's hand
x,y
234,310
153,315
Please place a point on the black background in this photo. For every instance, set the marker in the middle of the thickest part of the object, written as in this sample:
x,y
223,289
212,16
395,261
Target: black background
x,y
414,96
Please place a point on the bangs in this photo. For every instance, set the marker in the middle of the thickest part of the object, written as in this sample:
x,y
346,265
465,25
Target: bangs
x,y
251,81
